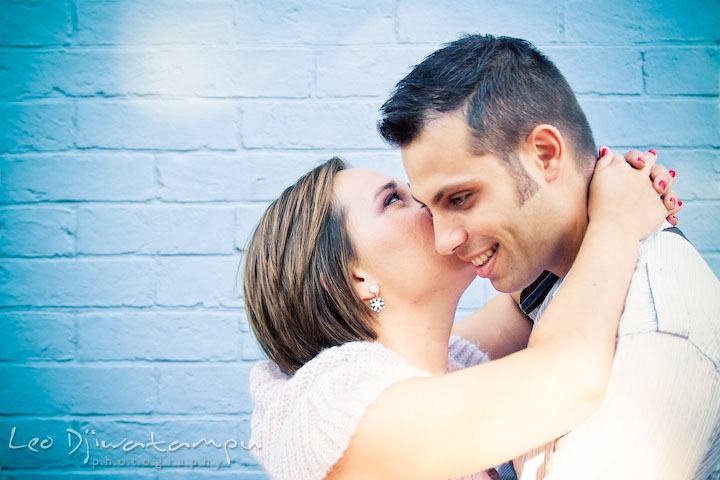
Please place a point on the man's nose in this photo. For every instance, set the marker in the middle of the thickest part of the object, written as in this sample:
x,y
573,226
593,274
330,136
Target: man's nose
x,y
448,237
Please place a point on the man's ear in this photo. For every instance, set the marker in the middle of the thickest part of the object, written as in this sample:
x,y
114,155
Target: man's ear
x,y
546,146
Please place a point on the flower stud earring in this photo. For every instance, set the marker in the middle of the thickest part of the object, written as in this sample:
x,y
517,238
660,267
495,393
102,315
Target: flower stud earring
x,y
377,303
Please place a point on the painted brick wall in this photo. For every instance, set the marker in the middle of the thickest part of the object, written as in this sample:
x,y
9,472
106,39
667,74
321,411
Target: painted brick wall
x,y
141,140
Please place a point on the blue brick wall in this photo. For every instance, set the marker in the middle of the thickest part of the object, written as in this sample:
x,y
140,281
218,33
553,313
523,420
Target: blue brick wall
x,y
140,142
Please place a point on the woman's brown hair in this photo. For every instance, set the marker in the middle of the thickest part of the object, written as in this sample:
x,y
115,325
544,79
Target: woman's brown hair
x,y
298,288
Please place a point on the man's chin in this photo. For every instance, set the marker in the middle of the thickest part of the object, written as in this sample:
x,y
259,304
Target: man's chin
x,y
509,285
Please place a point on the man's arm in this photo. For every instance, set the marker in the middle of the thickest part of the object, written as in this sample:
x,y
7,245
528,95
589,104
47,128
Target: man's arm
x,y
499,327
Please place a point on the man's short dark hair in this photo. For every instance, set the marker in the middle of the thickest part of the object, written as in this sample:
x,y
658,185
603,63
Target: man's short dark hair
x,y
504,87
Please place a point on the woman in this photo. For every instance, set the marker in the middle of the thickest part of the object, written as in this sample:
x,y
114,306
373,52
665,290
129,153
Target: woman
x,y
349,299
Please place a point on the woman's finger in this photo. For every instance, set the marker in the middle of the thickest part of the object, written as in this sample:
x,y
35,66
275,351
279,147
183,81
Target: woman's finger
x,y
671,201
640,160
661,170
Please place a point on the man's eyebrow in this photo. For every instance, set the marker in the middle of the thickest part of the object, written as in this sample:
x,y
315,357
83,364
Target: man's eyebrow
x,y
390,184
443,191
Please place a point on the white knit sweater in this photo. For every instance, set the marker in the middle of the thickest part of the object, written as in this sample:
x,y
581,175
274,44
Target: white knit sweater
x,y
302,424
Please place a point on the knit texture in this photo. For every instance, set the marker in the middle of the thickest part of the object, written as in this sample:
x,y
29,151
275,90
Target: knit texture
x,y
303,423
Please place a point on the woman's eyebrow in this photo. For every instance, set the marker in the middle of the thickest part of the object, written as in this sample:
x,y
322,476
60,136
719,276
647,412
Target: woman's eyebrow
x,y
391,184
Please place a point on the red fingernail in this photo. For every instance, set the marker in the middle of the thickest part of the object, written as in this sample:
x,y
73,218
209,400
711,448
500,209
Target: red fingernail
x,y
672,199
662,184
672,173
680,202
640,160
603,151
653,152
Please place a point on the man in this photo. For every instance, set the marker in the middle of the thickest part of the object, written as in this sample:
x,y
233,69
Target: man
x,y
496,146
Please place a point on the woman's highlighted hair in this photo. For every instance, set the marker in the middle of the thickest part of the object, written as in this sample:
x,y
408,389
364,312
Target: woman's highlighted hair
x,y
298,288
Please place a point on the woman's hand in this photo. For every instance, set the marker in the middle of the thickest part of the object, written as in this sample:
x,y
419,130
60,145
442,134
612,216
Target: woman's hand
x,y
661,178
623,197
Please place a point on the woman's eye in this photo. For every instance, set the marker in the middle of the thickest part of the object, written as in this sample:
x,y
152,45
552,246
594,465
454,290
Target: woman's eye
x,y
391,198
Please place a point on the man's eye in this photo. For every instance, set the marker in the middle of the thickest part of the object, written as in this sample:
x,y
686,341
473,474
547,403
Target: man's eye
x,y
391,198
458,201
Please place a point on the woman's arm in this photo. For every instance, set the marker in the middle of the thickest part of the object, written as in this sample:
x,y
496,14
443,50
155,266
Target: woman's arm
x,y
473,419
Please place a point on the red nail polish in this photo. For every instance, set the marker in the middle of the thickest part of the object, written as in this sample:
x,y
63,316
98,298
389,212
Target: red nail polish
x,y
653,152
672,173
680,203
640,160
662,184
603,151
672,200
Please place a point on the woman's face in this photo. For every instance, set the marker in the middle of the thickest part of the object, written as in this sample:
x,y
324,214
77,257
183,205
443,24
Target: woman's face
x,y
393,239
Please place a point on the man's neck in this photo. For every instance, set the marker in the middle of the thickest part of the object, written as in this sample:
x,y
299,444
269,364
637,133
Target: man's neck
x,y
569,244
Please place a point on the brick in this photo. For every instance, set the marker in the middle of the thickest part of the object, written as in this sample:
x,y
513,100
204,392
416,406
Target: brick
x,y
37,336
74,389
35,22
250,349
387,162
654,122
599,69
446,20
352,71
209,72
27,74
150,229
295,125
229,73
184,336
698,220
334,22
151,124
190,281
713,260
76,282
682,70
698,173
246,219
36,127
77,177
667,21
136,22
186,177
204,388
37,231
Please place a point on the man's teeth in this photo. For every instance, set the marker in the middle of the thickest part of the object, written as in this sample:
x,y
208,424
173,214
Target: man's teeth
x,y
484,257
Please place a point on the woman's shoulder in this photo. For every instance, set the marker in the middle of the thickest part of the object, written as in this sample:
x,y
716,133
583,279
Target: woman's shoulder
x,y
314,412
359,358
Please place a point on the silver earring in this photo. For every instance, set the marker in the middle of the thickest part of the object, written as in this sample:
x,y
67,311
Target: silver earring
x,y
377,303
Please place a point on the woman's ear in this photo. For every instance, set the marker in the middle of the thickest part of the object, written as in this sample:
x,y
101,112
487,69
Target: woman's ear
x,y
362,283
546,146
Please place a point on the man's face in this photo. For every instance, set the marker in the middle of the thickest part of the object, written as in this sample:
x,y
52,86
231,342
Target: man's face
x,y
478,213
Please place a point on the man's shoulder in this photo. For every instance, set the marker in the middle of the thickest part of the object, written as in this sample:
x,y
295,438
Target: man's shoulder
x,y
670,247
673,289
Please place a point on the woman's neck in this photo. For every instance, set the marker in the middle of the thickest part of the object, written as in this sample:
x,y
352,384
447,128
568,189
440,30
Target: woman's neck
x,y
418,333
